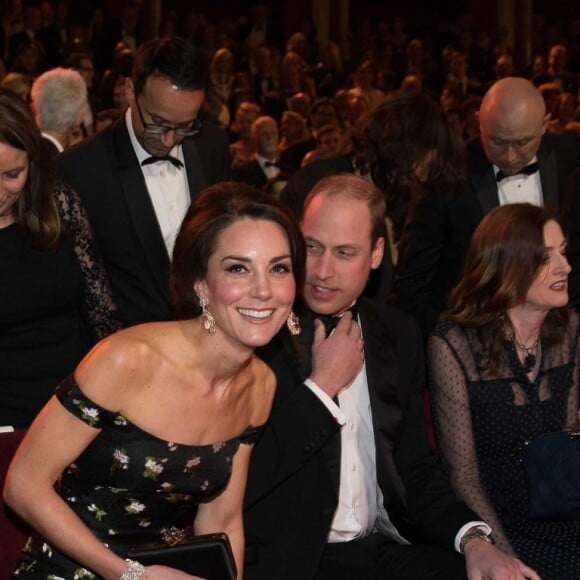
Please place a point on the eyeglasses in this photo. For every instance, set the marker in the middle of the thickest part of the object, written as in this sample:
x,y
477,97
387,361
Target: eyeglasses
x,y
155,129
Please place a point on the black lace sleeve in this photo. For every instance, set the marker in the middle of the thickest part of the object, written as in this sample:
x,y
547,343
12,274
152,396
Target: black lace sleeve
x,y
99,306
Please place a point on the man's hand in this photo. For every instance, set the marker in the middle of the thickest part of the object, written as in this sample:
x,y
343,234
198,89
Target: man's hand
x,y
485,562
337,360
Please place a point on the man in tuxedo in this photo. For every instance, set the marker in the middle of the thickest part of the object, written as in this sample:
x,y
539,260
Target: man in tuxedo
x,y
342,484
137,177
514,161
264,167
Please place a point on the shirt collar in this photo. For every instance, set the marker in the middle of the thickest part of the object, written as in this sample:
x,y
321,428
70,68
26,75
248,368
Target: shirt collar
x,y
54,141
534,159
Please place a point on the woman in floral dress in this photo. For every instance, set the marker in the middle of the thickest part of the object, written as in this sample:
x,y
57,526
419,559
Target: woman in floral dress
x,y
153,432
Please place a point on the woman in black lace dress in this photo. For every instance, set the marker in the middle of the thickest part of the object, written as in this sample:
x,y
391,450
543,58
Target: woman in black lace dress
x,y
55,302
504,366
153,432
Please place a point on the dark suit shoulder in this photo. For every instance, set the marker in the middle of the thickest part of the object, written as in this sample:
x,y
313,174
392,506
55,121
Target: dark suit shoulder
x,y
96,144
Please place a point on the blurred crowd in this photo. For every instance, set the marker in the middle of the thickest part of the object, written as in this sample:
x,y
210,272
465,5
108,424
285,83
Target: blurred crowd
x,y
313,93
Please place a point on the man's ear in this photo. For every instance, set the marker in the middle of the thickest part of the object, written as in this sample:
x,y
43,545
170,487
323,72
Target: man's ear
x,y
377,253
130,91
546,122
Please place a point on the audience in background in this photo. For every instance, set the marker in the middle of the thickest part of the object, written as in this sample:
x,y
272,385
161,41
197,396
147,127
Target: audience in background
x,y
243,149
59,101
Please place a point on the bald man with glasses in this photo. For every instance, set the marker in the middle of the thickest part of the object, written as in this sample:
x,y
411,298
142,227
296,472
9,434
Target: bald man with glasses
x,y
137,177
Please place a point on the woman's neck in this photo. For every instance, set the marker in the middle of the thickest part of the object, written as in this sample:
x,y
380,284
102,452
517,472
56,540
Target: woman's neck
x,y
527,325
6,220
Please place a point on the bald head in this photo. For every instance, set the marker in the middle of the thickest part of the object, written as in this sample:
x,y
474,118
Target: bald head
x,y
512,120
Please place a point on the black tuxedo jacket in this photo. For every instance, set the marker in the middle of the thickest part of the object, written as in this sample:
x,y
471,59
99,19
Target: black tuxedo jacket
x,y
251,173
105,172
293,482
439,226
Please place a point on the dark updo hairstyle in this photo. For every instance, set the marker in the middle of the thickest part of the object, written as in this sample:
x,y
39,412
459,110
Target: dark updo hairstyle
x,y
216,208
35,210
505,255
394,138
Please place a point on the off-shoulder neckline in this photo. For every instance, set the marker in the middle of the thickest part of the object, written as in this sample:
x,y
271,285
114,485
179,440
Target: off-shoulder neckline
x,y
250,429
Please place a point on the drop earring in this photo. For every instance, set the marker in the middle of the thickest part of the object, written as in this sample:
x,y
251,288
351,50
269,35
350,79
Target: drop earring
x,y
293,324
207,318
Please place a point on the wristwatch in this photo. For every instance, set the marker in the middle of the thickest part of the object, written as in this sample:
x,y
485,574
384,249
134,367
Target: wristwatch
x,y
474,534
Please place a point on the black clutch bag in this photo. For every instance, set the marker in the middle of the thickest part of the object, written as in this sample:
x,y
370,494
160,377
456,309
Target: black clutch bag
x,y
208,556
552,467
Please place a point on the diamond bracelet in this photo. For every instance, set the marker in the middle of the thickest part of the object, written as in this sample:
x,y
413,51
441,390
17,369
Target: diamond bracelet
x,y
134,570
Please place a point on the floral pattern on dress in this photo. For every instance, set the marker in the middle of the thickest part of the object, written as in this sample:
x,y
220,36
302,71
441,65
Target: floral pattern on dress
x,y
130,484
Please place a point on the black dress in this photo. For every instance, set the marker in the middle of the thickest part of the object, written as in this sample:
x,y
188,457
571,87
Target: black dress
x,y
128,486
482,421
54,305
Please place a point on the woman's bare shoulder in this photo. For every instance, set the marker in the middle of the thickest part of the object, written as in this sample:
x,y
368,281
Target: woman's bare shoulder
x,y
122,362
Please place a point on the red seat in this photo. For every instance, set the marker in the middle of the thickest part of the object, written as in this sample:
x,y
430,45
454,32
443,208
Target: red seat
x,y
13,531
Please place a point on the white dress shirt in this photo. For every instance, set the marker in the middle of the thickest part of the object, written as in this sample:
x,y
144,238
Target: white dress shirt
x,y
520,188
270,171
360,510
167,187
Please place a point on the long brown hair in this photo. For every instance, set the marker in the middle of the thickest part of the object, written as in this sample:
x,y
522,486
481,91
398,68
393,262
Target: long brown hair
x,y
35,210
504,257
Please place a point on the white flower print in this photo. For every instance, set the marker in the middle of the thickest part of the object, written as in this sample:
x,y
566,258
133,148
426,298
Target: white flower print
x,y
218,446
153,467
120,421
120,460
90,415
99,513
191,465
134,507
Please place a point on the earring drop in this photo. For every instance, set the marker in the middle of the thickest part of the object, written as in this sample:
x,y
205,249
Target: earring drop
x,y
293,324
207,318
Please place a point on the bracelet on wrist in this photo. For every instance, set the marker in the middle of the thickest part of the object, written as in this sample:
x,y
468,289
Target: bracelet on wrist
x,y
474,534
134,570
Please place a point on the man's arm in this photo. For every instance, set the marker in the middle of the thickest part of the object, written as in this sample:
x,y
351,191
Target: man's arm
x,y
302,422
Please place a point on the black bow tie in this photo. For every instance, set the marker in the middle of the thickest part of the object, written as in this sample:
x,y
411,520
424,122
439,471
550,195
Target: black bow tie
x,y
527,170
176,162
331,320
271,164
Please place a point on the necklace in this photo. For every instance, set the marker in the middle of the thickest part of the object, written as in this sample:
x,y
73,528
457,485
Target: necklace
x,y
529,361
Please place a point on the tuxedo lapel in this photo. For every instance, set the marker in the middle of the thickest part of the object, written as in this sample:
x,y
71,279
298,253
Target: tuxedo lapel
x,y
193,168
549,176
139,206
299,348
485,185
382,377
